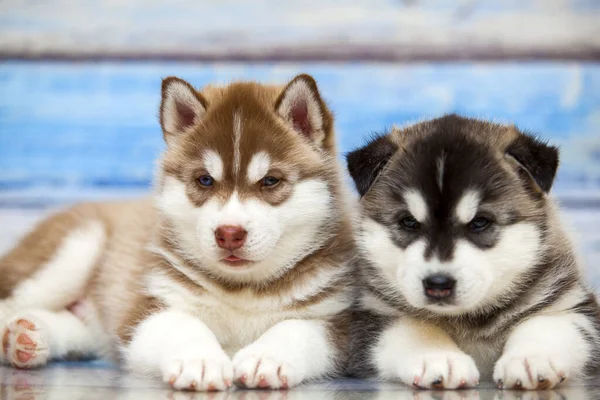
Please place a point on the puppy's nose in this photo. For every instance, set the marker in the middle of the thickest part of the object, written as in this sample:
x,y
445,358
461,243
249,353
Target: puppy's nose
x,y
230,237
439,286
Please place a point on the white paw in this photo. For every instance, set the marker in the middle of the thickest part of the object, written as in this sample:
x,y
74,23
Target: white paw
x,y
258,366
24,342
210,372
520,370
438,370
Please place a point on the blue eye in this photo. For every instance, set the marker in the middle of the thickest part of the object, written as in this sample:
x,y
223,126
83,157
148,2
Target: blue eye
x,y
269,181
206,180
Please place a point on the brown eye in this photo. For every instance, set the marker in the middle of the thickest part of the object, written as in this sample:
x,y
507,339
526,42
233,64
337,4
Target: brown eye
x,y
410,223
479,224
269,181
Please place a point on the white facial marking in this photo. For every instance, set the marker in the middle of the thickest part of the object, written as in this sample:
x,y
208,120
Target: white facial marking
x,y
213,164
233,212
515,252
481,275
441,161
416,205
237,133
258,167
278,237
467,206
374,240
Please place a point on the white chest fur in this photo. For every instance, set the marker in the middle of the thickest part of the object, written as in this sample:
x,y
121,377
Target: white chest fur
x,y
236,319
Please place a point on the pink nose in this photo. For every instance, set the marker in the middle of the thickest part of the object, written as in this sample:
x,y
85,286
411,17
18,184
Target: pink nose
x,y
230,237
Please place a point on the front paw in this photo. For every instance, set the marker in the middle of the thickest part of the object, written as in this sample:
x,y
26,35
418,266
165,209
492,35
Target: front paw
x,y
521,370
25,342
259,366
438,370
207,371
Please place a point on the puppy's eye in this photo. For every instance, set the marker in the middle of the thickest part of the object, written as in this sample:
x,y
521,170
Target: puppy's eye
x,y
410,223
269,181
206,180
479,224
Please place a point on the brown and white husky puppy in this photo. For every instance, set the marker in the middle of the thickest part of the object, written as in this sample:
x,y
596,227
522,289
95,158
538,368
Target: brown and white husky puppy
x,y
465,266
235,271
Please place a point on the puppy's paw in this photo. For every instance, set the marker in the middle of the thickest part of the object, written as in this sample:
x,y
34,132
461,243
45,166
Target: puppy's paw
x,y
25,343
258,366
522,370
438,370
211,371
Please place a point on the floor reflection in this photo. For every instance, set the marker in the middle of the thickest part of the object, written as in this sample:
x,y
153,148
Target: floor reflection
x,y
89,382
87,393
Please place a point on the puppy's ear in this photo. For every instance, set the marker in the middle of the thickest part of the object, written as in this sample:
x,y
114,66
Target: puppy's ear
x,y
365,164
301,106
181,107
535,160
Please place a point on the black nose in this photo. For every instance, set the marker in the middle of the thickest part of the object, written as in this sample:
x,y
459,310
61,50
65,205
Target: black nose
x,y
439,286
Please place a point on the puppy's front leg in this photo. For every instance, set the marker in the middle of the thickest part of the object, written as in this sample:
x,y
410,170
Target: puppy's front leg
x,y
543,351
182,350
290,352
424,356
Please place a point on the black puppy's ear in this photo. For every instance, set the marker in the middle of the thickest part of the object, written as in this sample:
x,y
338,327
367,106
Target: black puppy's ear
x,y
537,159
365,164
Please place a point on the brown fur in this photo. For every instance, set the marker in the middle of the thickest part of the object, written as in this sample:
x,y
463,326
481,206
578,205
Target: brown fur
x,y
38,247
116,291
292,153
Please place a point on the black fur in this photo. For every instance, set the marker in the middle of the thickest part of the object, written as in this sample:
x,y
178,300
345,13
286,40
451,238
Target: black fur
x,y
511,192
539,159
589,308
366,163
467,164
370,325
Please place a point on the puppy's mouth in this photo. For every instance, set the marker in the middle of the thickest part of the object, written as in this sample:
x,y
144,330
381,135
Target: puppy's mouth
x,y
234,261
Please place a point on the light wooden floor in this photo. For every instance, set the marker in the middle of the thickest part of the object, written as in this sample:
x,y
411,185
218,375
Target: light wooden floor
x,y
91,381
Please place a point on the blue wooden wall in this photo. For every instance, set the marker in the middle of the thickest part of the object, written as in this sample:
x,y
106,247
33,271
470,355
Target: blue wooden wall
x,y
95,124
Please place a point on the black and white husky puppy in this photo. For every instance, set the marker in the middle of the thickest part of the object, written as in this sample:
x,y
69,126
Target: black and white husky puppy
x,y
465,266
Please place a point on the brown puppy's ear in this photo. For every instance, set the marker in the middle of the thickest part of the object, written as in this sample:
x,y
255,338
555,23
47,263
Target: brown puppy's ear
x,y
301,106
536,161
181,107
366,163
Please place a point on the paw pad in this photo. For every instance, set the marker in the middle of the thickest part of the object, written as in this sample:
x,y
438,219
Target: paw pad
x,y
23,344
